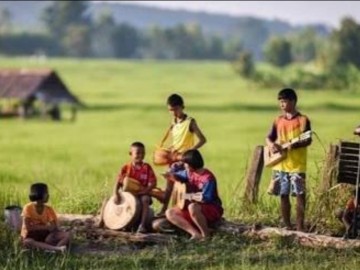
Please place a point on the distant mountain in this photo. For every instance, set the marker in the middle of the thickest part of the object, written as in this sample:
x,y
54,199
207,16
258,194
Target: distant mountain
x,y
221,24
252,31
26,15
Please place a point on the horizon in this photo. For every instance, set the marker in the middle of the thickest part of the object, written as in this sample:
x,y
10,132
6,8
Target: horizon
x,y
293,12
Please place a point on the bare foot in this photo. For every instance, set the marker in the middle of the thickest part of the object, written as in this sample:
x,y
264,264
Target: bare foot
x,y
62,249
196,237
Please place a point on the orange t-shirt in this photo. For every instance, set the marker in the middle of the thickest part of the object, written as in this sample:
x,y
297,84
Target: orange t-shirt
x,y
29,211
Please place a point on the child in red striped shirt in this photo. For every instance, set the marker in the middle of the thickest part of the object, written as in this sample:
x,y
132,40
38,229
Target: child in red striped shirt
x,y
141,171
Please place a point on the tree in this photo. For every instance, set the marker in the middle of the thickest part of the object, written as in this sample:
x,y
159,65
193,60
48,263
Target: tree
x,y
304,45
347,40
278,51
125,40
244,64
5,20
76,40
61,14
253,33
102,35
215,48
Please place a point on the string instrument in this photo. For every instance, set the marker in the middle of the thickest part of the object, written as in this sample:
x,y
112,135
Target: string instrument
x,y
271,159
180,196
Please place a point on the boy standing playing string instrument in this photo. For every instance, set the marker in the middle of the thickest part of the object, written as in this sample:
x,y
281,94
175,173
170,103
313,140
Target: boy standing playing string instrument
x,y
182,131
288,176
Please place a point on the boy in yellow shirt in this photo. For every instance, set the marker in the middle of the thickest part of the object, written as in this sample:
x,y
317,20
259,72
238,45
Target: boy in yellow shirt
x,y
183,131
288,176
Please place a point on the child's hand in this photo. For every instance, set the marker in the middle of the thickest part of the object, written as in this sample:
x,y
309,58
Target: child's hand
x,y
117,198
275,148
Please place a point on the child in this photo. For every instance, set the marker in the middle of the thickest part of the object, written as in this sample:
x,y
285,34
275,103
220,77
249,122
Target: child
x,y
142,172
198,215
183,131
346,216
40,229
288,176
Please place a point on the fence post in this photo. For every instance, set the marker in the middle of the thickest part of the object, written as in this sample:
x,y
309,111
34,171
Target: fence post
x,y
253,174
330,168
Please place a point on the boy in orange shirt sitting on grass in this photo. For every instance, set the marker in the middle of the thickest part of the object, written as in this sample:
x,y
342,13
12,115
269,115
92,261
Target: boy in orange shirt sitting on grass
x,y
39,228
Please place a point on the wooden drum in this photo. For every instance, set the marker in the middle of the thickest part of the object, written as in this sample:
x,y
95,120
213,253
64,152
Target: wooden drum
x,y
124,215
162,156
133,186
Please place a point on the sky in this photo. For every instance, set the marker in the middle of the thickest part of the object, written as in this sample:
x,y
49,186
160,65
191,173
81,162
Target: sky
x,y
294,12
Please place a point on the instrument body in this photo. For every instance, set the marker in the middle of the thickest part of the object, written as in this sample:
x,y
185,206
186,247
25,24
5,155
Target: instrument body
x,y
164,156
271,159
181,197
133,186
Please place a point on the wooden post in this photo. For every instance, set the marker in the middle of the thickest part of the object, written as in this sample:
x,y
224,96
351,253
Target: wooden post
x,y
253,174
330,168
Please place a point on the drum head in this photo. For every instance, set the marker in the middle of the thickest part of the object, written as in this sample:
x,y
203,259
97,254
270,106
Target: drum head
x,y
120,216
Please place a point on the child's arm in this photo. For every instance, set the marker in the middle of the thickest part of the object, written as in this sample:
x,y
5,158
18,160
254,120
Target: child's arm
x,y
147,189
306,142
116,192
201,137
271,140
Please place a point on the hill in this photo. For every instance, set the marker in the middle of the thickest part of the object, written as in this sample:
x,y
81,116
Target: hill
x,y
26,15
252,31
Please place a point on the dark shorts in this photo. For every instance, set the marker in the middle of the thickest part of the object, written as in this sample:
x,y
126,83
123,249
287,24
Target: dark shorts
x,y
38,235
212,213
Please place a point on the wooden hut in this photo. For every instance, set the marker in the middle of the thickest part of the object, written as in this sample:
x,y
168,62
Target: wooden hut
x,y
21,89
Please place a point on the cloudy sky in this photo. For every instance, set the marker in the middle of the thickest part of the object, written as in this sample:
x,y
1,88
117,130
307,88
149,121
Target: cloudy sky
x,y
295,12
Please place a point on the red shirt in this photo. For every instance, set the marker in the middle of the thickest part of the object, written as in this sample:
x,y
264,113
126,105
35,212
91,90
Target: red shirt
x,y
140,172
350,205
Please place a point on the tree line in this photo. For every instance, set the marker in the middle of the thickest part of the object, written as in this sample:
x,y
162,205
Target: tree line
x,y
71,31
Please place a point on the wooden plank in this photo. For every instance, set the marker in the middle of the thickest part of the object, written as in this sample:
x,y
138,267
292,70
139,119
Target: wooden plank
x,y
330,167
350,158
254,173
346,179
348,165
344,144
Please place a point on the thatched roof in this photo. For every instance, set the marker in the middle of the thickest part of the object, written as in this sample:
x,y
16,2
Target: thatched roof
x,y
43,84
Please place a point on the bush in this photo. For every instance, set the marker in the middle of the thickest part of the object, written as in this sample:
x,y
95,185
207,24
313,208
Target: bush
x,y
244,65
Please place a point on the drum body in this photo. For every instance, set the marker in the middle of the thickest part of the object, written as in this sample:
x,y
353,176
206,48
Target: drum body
x,y
131,185
122,216
162,156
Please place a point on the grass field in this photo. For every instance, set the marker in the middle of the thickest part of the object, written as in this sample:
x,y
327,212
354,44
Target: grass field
x,y
125,102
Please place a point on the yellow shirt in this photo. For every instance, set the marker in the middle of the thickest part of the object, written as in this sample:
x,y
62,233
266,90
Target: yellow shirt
x,y
287,129
182,137
29,211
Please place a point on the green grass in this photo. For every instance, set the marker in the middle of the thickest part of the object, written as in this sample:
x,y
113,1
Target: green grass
x,y
125,102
